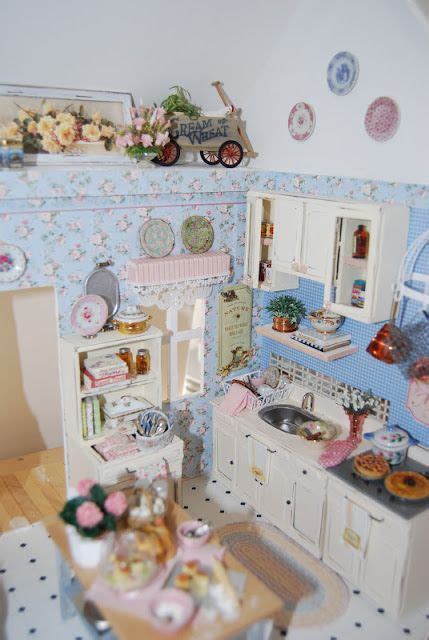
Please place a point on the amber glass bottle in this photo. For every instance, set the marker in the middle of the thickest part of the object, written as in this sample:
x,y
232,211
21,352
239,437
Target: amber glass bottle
x,y
360,242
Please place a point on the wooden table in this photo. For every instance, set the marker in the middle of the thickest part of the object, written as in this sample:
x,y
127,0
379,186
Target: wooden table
x,y
258,603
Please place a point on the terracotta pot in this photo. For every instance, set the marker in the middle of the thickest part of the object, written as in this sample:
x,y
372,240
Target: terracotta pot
x,y
284,325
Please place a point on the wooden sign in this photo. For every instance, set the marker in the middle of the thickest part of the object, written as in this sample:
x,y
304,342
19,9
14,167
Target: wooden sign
x,y
235,326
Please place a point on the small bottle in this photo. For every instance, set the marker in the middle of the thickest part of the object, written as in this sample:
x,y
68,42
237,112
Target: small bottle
x,y
126,355
360,242
143,361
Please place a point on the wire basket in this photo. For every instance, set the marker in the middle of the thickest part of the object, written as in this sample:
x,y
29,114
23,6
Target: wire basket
x,y
280,393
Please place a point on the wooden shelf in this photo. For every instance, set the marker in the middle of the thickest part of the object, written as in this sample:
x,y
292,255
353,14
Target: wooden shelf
x,y
285,338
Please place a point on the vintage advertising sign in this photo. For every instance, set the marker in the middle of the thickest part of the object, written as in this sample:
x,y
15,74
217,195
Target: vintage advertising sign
x,y
235,325
198,131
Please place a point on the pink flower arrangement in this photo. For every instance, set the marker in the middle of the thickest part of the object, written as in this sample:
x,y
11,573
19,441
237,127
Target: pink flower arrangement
x,y
147,133
116,504
93,512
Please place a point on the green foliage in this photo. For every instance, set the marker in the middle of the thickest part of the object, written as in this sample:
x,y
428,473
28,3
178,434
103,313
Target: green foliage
x,y
181,101
98,496
287,307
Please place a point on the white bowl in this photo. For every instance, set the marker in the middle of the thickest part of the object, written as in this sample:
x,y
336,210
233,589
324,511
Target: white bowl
x,y
325,321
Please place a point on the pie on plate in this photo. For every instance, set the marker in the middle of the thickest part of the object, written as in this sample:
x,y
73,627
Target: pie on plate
x,y
409,485
371,466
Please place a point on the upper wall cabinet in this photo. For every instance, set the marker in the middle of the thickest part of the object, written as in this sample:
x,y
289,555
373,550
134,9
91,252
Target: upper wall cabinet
x,y
353,249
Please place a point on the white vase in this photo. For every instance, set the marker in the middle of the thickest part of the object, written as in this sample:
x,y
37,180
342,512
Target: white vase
x,y
87,552
145,162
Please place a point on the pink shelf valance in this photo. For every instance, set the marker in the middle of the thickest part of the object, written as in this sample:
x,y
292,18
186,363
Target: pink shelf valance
x,y
177,268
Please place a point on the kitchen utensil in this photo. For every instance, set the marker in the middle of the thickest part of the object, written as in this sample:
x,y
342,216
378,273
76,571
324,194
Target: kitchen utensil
x,y
391,442
103,282
192,541
199,531
157,238
132,320
390,344
88,315
197,234
325,321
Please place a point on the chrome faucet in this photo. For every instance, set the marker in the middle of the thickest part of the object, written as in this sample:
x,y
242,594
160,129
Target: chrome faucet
x,y
308,402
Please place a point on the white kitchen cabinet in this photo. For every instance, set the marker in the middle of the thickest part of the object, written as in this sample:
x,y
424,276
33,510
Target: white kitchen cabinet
x,y
224,452
394,566
307,514
82,460
246,483
260,210
313,239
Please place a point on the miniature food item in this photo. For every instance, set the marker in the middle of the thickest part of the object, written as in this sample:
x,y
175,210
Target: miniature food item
x,y
200,584
409,485
371,466
191,567
183,581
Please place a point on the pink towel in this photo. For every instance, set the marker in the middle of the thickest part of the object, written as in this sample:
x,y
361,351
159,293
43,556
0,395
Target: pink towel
x,y
235,400
336,452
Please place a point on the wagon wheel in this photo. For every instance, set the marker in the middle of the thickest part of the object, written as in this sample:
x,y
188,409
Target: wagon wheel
x,y
168,155
230,154
209,157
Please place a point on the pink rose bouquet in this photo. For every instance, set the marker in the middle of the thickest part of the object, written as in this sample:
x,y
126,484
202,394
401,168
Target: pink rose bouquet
x,y
93,512
147,133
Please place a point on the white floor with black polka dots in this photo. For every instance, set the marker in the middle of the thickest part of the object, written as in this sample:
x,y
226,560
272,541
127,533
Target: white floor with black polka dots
x,y
29,588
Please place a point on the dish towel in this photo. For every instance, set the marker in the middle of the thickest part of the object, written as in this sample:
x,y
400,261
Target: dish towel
x,y
356,526
259,460
235,400
336,452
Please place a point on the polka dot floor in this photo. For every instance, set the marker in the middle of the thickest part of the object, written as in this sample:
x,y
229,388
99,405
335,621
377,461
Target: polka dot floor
x,y
30,603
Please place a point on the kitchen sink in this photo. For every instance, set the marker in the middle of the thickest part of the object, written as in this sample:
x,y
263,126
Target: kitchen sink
x,y
285,417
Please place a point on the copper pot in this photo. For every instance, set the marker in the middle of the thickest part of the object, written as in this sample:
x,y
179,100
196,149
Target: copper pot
x,y
390,345
284,324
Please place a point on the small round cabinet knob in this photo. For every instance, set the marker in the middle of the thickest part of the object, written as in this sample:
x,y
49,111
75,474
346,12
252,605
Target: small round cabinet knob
x,y
231,462
304,471
287,501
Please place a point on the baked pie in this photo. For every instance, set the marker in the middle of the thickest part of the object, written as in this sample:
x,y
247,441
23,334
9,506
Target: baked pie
x,y
372,466
409,485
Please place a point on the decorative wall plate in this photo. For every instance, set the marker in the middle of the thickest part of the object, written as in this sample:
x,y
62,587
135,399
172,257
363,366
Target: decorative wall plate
x,y
382,119
157,238
88,315
13,262
301,121
342,74
197,234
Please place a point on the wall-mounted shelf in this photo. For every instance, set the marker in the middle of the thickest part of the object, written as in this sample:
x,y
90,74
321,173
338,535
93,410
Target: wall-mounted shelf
x,y
285,338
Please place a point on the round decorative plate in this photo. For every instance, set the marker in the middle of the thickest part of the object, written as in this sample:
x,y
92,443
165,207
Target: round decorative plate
x,y
197,234
88,315
301,121
13,262
157,238
342,74
382,119
272,376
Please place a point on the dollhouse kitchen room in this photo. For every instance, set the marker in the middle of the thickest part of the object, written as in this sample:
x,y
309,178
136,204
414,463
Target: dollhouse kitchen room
x,y
214,303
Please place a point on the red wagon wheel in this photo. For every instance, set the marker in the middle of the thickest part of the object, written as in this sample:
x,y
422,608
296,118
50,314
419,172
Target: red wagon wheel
x,y
169,154
209,157
230,154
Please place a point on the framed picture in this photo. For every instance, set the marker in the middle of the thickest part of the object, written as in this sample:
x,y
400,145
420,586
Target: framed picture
x,y
235,325
64,126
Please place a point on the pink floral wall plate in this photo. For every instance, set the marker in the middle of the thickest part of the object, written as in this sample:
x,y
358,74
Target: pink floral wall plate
x,y
382,119
88,315
301,121
418,400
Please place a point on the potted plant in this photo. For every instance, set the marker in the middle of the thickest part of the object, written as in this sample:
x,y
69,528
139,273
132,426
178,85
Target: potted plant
x,y
90,517
287,313
357,405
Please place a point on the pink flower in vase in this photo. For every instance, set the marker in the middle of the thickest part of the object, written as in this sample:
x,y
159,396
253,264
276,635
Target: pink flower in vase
x,y
116,504
146,140
84,486
88,515
138,123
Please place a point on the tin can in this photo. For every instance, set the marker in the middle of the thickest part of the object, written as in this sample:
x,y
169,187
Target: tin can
x,y
358,293
269,230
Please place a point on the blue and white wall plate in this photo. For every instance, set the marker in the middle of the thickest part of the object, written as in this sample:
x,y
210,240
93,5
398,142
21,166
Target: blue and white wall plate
x,y
342,74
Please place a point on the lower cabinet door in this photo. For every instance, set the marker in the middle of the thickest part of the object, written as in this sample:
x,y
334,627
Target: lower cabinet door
x,y
275,497
336,553
225,453
307,516
381,569
247,486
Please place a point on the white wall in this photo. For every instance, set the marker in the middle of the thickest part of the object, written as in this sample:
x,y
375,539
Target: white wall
x,y
30,407
392,46
269,54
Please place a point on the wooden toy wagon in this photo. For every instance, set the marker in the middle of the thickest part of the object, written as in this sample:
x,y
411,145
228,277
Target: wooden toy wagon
x,y
220,139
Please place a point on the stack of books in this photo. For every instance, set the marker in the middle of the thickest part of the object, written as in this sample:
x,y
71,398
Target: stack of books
x,y
91,417
322,341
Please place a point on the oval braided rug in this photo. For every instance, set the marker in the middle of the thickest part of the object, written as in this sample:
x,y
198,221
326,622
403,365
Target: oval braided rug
x,y
311,592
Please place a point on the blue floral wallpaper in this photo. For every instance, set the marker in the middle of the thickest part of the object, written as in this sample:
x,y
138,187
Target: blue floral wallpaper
x,y
67,219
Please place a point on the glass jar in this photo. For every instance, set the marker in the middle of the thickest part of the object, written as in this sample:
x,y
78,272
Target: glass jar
x,y
360,242
143,361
